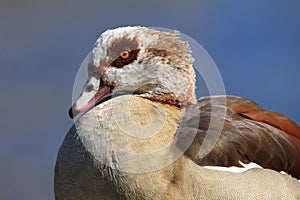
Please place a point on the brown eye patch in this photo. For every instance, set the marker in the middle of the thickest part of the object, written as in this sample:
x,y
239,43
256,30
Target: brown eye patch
x,y
123,51
121,61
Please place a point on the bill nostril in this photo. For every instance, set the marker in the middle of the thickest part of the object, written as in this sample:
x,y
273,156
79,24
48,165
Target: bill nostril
x,y
89,88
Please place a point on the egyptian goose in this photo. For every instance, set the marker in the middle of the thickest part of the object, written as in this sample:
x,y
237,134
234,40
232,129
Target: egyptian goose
x,y
142,134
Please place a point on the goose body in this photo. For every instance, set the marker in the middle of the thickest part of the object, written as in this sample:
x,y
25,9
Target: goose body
x,y
157,142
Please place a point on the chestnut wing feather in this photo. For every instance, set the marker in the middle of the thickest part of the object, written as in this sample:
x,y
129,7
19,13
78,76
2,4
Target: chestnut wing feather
x,y
249,134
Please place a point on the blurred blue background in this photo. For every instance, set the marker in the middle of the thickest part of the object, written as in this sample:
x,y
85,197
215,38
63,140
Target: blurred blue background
x,y
255,44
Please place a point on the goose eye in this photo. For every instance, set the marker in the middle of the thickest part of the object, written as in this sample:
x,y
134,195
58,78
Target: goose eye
x,y
124,54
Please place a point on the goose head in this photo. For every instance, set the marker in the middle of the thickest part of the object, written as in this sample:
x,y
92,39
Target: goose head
x,y
153,64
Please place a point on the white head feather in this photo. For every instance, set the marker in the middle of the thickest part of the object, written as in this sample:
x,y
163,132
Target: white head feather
x,y
161,70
